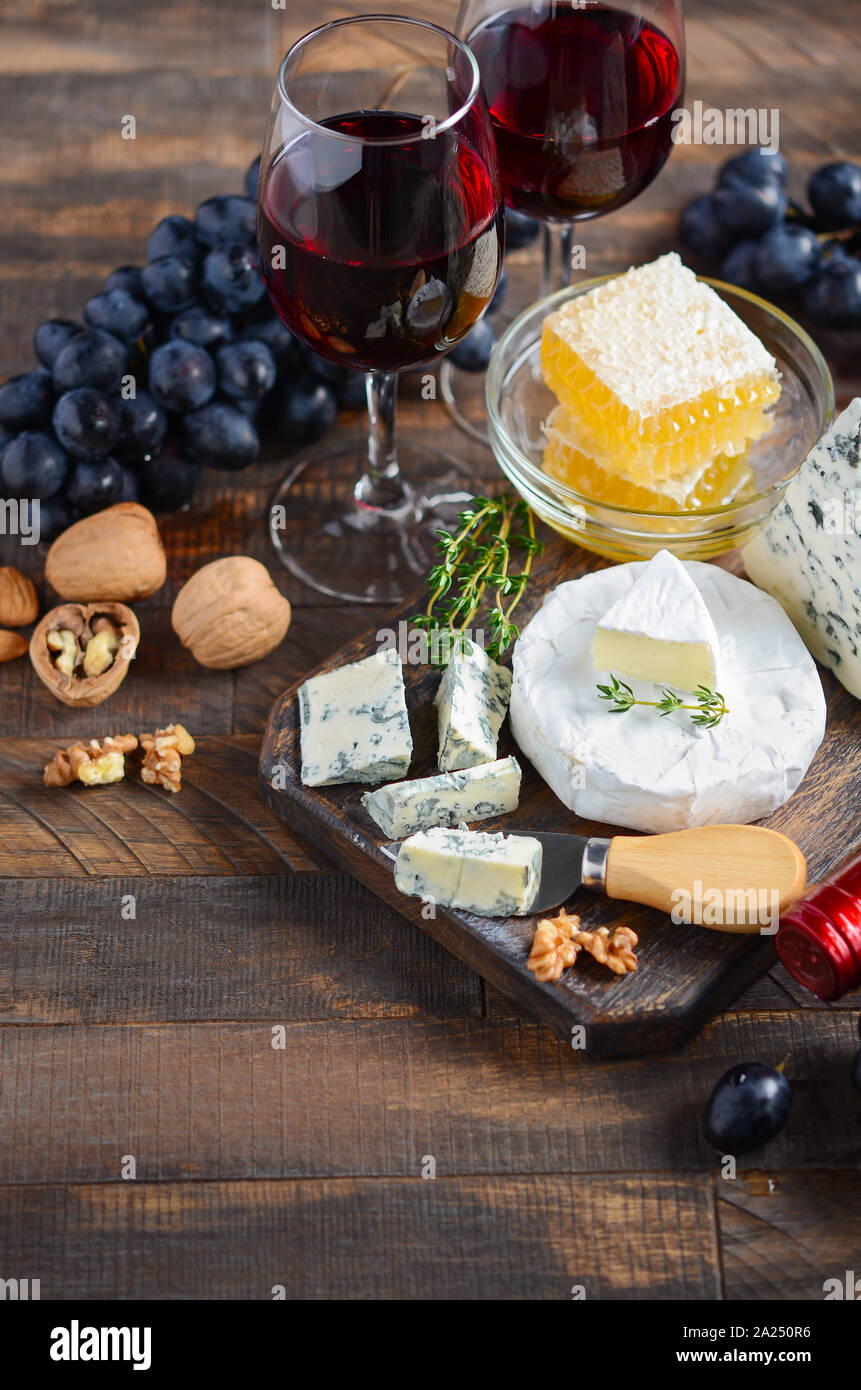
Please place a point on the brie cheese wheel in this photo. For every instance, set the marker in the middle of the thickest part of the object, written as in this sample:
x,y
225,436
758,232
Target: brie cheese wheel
x,y
659,630
808,553
657,774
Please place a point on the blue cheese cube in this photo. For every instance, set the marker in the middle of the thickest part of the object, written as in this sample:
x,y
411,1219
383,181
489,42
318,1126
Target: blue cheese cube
x,y
475,793
472,701
808,553
354,723
490,875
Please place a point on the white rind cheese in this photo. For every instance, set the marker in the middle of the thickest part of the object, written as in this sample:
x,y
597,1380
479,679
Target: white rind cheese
x,y
354,724
659,774
808,554
472,700
490,875
659,630
475,793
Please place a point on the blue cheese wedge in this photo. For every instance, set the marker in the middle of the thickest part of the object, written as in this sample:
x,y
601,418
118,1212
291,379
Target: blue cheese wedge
x,y
475,793
472,701
490,875
354,723
808,553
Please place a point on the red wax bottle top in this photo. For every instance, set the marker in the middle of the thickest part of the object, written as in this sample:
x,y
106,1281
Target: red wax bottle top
x,y
819,939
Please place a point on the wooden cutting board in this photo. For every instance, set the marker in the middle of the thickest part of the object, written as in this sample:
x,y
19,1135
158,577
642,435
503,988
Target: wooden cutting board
x,y
685,975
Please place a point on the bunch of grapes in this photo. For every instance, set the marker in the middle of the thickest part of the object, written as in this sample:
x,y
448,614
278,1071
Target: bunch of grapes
x,y
766,242
178,365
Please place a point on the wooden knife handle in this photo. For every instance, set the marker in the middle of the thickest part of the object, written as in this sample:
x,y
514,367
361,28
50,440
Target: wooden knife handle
x,y
736,878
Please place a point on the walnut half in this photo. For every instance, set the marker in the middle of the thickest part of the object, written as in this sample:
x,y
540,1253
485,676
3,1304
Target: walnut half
x,y
95,764
163,754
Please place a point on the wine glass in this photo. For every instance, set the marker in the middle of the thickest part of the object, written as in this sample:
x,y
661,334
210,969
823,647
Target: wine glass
x,y
581,95
380,230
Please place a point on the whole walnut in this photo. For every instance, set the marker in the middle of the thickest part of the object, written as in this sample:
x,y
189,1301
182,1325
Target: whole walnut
x,y
230,613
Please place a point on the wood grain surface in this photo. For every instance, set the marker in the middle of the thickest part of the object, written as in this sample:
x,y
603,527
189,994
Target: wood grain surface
x,y
151,1034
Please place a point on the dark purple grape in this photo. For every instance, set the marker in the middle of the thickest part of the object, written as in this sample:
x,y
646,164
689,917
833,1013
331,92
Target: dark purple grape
x,y
757,166
748,209
835,193
833,297
92,358
472,353
499,293
246,369
6,437
346,382
201,327
118,313
128,278
173,236
87,422
750,1104
94,485
520,230
182,376
53,516
168,480
144,427
738,266
309,406
701,232
288,352
226,219
51,337
786,257
220,436
231,282
170,283
130,491
252,177
33,465
26,401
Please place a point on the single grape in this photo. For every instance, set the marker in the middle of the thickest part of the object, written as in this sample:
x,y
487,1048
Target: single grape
x,y
738,266
202,327
130,491
750,1104
170,283
309,406
168,481
833,297
220,436
48,516
835,193
182,376
226,219
252,177
92,358
33,465
87,422
94,485
246,369
472,353
231,280
701,232
6,437
786,257
26,401
756,166
144,427
173,236
347,383
118,313
520,230
748,209
288,351
128,278
51,337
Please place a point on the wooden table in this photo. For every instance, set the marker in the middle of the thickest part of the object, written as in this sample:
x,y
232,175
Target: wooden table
x,y
279,1053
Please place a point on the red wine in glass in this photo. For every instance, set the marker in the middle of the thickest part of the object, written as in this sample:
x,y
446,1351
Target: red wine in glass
x,y
580,101
381,256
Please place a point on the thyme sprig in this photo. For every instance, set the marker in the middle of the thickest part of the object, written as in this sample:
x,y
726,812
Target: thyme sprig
x,y
709,709
476,564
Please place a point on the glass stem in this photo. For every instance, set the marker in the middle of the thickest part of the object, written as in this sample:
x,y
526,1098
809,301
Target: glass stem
x,y
381,486
556,270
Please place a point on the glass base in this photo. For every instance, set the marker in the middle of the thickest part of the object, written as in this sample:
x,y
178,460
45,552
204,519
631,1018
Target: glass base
x,y
362,554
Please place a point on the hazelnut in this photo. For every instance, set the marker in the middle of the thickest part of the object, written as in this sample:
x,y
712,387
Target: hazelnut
x,y
82,652
230,613
18,602
115,555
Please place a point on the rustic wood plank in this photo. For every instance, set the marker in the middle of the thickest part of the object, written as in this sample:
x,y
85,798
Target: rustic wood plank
x,y
783,1235
622,1237
275,949
372,1096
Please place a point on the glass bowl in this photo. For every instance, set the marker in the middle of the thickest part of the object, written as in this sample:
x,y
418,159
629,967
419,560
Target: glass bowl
x,y
518,403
